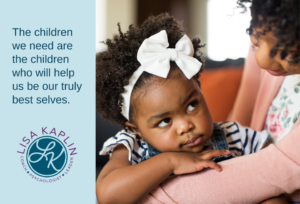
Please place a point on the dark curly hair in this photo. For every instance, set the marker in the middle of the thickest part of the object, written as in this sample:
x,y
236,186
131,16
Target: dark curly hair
x,y
282,18
115,66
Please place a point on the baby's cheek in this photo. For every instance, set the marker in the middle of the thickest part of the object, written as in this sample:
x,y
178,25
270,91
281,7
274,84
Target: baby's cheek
x,y
162,143
205,124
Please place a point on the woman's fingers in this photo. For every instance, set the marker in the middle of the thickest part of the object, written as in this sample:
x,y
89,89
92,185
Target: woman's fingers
x,y
209,154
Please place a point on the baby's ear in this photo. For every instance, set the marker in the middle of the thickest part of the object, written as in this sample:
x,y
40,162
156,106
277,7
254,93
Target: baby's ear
x,y
133,128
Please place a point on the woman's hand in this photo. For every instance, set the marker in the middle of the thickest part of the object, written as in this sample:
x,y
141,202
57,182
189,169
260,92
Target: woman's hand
x,y
186,162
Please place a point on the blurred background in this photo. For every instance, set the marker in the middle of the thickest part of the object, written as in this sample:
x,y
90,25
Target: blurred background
x,y
218,23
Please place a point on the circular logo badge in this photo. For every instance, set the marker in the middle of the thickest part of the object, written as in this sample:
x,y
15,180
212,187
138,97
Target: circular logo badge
x,y
47,156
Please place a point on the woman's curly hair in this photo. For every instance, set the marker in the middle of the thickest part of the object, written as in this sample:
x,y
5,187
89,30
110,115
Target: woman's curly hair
x,y
115,66
282,18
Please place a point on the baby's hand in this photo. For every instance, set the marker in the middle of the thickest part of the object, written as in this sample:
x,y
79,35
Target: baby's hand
x,y
187,162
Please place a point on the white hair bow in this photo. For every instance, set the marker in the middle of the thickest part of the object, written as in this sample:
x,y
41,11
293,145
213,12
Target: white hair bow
x,y
155,58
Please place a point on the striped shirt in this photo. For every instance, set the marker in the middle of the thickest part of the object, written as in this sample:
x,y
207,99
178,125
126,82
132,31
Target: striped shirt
x,y
241,141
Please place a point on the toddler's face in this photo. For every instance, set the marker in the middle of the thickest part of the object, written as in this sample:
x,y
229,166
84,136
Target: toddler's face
x,y
275,66
172,115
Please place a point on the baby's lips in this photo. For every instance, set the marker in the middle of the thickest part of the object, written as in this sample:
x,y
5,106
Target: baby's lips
x,y
191,140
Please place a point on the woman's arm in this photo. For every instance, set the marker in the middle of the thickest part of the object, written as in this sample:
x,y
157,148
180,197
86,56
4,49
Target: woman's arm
x,y
121,182
245,99
249,179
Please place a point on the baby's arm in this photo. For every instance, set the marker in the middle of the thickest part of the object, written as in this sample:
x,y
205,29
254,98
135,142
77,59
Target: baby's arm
x,y
121,182
276,200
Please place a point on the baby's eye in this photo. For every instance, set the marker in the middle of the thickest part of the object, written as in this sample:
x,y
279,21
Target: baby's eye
x,y
164,122
192,106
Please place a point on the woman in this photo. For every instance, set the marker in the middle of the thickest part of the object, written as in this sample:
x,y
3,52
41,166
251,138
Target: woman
x,y
275,170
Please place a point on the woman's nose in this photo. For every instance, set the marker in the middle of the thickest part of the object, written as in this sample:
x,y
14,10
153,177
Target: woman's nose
x,y
184,126
264,60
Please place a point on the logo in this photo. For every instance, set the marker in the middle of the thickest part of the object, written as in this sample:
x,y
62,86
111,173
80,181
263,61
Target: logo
x,y
49,157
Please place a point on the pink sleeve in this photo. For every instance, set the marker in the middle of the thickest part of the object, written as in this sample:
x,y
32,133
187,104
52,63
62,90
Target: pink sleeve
x,y
248,179
245,100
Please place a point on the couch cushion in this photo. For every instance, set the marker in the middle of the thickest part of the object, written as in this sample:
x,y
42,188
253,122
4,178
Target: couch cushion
x,y
220,87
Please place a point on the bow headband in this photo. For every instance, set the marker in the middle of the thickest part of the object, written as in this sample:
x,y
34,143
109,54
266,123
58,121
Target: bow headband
x,y
155,58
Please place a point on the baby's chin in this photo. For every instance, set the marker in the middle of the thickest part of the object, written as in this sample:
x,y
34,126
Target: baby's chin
x,y
194,149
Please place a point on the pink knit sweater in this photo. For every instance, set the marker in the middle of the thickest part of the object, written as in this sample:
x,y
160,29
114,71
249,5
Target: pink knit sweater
x,y
248,179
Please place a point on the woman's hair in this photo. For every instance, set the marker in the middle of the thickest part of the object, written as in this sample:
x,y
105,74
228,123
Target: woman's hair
x,y
279,16
115,66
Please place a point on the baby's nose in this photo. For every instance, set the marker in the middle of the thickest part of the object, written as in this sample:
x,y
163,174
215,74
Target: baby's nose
x,y
184,126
